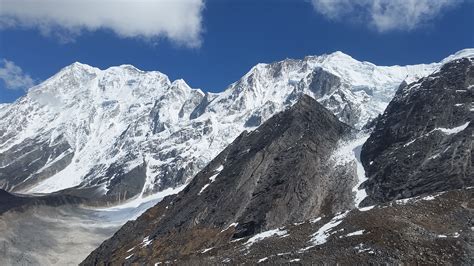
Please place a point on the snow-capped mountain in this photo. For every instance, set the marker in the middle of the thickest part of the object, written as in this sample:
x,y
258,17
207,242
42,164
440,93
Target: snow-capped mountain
x,y
122,132
407,180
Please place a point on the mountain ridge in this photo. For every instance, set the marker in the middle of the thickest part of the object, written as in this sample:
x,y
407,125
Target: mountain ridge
x,y
84,117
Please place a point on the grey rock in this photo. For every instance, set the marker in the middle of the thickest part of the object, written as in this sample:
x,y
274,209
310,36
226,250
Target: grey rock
x,y
415,147
27,162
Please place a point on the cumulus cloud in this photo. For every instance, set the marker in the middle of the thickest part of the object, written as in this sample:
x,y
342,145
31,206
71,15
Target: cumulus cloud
x,y
385,15
13,76
176,20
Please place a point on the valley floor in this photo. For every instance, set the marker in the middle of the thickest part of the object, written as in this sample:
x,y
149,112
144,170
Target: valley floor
x,y
64,235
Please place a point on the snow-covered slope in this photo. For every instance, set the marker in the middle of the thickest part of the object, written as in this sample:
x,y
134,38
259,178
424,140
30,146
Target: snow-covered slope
x,y
122,132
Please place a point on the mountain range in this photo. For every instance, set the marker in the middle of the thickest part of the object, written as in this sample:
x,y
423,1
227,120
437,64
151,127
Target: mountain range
x,y
282,193
114,134
321,160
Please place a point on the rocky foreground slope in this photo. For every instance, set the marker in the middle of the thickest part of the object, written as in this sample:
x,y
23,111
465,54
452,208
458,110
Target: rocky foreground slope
x,y
121,132
435,229
279,195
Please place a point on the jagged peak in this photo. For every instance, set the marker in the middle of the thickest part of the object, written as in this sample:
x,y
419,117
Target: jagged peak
x,y
181,84
339,54
130,67
78,66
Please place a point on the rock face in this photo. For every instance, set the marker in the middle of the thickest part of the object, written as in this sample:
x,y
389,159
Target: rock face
x,y
280,173
122,132
423,142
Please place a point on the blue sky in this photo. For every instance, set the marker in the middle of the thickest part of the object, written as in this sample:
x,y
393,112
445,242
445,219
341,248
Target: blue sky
x,y
212,43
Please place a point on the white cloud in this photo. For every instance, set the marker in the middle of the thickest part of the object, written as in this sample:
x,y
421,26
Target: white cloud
x,y
385,15
13,76
177,20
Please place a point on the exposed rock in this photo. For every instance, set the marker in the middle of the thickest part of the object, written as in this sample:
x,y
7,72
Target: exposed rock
x,y
423,143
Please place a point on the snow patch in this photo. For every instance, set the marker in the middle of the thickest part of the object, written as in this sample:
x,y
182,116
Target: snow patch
x,y
206,250
417,198
356,233
270,233
138,202
403,201
213,178
146,241
262,260
431,197
455,235
455,130
368,208
349,151
203,188
410,142
320,237
360,248
230,225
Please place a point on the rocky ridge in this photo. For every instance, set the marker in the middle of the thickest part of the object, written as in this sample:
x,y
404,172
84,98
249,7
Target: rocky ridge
x,y
423,143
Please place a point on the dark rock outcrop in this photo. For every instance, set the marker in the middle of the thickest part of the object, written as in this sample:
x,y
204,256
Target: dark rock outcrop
x,y
32,161
423,143
280,173
13,202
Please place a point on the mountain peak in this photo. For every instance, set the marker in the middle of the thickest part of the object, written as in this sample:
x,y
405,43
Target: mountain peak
x,y
340,54
128,67
78,66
